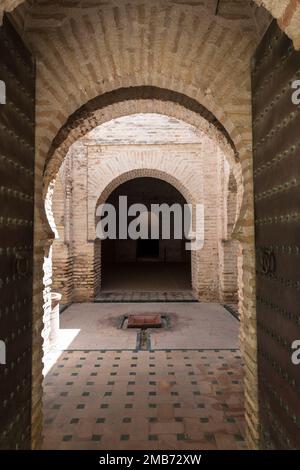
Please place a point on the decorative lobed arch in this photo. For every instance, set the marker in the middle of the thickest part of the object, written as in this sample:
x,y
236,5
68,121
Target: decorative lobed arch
x,y
133,100
84,121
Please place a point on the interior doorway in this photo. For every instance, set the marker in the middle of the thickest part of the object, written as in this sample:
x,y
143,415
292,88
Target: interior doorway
x,y
146,264
147,250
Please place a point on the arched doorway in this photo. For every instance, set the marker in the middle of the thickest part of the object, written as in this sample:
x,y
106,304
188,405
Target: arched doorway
x,y
234,105
150,264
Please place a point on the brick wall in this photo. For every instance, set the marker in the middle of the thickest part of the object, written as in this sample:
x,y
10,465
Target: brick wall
x,y
144,145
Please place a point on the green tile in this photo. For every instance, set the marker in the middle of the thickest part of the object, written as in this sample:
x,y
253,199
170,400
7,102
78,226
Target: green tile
x,y
204,420
209,437
127,420
152,419
230,420
100,420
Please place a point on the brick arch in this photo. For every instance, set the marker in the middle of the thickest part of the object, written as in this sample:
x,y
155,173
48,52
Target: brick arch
x,y
285,11
190,194
132,100
165,107
183,109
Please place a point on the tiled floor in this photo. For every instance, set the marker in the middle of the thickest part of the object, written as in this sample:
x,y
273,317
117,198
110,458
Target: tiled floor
x,y
145,400
191,326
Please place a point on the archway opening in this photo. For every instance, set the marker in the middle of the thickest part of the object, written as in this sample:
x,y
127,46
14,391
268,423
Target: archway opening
x,y
233,108
145,152
153,262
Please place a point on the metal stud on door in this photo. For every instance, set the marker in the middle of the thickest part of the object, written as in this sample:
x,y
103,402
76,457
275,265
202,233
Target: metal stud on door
x,y
17,150
276,155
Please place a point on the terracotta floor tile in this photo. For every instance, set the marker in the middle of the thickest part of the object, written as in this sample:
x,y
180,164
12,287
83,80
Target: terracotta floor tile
x,y
144,407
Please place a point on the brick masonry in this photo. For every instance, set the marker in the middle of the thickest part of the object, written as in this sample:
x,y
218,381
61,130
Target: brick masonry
x,y
139,146
184,48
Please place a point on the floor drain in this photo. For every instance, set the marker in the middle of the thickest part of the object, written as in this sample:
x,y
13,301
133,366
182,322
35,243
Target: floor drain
x,y
144,322
143,340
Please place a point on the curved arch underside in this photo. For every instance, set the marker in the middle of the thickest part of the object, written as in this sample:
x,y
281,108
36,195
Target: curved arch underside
x,y
144,173
86,111
286,12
